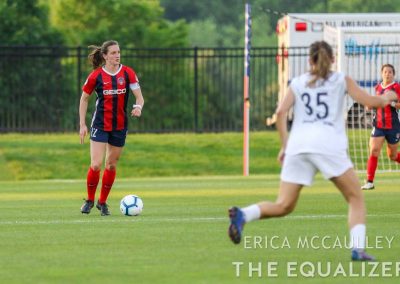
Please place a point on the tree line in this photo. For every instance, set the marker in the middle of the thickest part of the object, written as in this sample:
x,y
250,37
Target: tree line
x,y
157,23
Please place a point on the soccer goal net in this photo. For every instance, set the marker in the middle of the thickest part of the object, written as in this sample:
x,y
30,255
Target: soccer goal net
x,y
360,53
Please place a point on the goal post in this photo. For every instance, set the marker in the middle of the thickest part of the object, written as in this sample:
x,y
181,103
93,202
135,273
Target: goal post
x,y
246,86
360,53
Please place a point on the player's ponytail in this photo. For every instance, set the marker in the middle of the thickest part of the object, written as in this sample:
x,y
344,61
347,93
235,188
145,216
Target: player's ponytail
x,y
321,57
96,55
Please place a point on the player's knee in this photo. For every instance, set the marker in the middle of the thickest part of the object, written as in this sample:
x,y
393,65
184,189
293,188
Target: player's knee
x,y
285,208
392,155
111,164
375,152
111,167
95,167
354,196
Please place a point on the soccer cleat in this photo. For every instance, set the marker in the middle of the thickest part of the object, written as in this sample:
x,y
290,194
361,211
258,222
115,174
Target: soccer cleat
x,y
361,255
103,207
87,206
236,226
368,186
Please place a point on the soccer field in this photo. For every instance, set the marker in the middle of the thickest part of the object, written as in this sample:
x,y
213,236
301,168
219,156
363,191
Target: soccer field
x,y
181,237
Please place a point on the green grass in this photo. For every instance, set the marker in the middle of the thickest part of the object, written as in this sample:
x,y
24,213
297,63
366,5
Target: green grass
x,y
60,156
181,235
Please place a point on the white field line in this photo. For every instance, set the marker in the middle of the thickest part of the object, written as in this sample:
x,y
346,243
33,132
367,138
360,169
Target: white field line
x,y
98,219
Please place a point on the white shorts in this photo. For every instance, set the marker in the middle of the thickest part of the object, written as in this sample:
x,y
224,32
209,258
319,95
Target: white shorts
x,y
301,168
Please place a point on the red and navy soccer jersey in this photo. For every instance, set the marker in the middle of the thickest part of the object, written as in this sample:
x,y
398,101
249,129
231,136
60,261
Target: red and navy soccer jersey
x,y
112,97
387,117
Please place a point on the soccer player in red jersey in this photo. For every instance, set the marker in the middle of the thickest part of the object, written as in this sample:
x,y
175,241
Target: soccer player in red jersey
x,y
112,83
386,126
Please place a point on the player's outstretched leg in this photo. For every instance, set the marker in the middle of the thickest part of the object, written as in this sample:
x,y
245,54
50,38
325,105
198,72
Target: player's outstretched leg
x,y
361,255
237,222
87,206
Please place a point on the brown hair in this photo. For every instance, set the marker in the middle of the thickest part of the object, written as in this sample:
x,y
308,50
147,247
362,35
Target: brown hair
x,y
321,57
390,66
96,55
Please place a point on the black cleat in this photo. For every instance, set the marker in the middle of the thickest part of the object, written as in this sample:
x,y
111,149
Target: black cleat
x,y
103,207
87,206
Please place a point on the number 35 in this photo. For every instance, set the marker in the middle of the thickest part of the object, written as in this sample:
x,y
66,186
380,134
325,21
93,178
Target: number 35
x,y
322,109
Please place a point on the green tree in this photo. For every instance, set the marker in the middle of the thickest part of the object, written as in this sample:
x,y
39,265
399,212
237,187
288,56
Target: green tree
x,y
26,23
363,6
134,23
220,23
30,76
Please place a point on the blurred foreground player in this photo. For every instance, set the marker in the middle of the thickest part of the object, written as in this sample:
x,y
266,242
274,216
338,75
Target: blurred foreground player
x,y
317,142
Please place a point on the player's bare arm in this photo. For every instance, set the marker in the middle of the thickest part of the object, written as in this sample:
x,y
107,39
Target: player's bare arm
x,y
366,99
138,106
83,105
281,121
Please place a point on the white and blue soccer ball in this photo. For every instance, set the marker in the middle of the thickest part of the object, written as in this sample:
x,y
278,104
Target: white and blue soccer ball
x,y
131,205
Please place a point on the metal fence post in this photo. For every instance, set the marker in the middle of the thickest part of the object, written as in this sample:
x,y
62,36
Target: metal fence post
x,y
79,74
196,91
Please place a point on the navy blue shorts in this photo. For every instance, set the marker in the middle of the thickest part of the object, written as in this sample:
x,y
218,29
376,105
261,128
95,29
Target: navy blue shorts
x,y
392,136
115,138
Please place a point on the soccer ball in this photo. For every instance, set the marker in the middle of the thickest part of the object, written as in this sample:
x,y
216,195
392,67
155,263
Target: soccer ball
x,y
131,205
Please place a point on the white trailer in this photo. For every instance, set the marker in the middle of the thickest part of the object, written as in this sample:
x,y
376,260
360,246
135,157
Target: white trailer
x,y
297,31
303,29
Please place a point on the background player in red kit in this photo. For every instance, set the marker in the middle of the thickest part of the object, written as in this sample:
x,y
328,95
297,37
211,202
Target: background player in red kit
x,y
111,81
386,126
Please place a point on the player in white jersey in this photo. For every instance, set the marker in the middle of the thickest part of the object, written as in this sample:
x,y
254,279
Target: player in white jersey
x,y
317,142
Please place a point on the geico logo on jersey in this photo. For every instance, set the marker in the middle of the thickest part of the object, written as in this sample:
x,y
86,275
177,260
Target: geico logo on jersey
x,y
114,92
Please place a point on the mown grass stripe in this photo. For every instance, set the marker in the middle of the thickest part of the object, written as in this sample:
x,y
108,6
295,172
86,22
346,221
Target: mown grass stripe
x,y
168,219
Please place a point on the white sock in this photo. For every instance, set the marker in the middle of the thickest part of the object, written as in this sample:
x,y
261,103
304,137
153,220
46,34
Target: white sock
x,y
251,213
357,236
